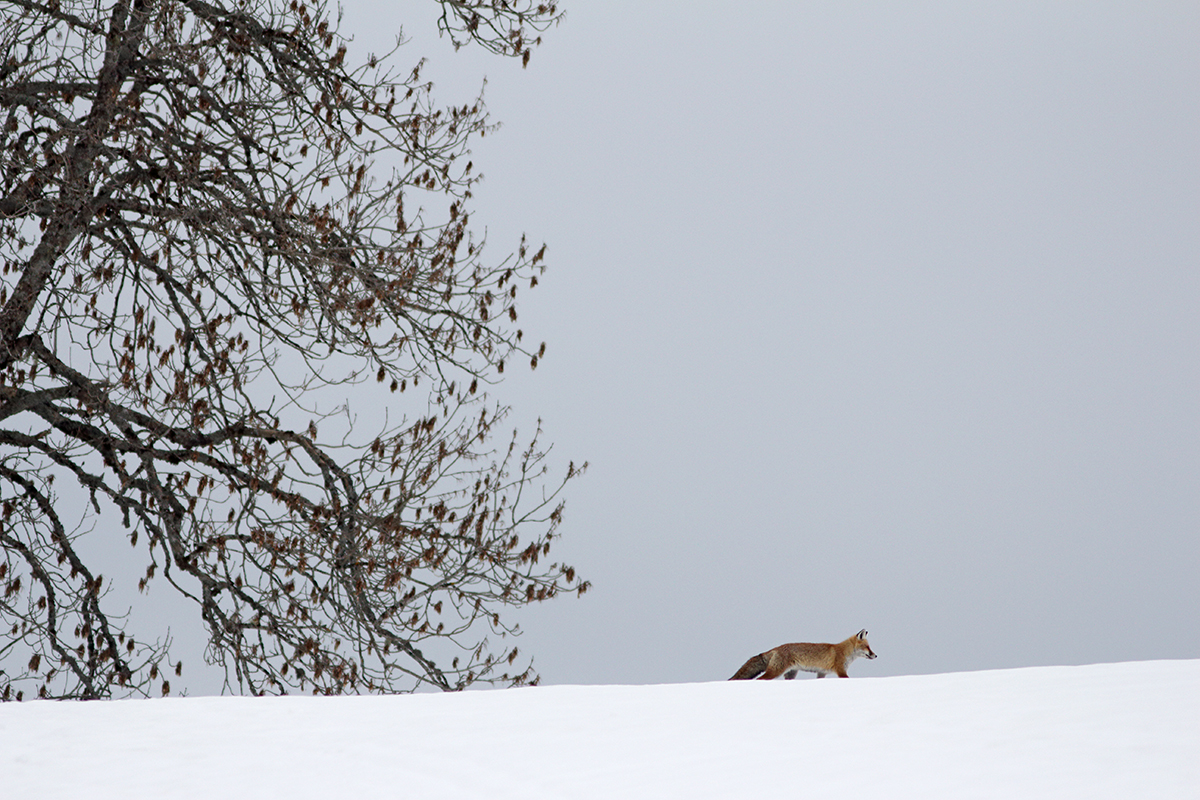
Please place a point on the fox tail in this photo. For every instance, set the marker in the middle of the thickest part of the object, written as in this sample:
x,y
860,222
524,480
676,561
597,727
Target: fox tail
x,y
751,669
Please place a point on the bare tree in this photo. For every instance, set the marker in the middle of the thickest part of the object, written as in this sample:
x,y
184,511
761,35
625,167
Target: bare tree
x,y
214,229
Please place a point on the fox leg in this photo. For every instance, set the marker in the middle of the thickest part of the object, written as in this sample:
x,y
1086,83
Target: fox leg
x,y
791,674
820,675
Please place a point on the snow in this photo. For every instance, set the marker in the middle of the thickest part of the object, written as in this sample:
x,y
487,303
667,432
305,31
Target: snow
x,y
1106,730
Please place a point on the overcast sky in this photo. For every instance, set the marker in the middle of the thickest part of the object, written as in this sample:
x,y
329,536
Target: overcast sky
x,y
865,315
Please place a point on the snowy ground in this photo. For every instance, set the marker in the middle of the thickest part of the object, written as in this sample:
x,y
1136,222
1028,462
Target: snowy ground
x,y
1109,730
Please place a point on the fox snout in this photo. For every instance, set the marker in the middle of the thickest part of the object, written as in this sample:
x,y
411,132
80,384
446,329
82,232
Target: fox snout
x,y
866,648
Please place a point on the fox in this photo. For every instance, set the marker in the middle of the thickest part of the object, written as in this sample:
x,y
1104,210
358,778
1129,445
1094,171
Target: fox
x,y
789,659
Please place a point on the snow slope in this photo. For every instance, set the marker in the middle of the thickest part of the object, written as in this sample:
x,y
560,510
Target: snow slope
x,y
1109,730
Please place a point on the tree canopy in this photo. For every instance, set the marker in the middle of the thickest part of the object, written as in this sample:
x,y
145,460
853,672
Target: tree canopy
x,y
246,330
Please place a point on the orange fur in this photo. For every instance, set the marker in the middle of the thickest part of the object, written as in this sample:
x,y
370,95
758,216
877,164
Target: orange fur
x,y
789,659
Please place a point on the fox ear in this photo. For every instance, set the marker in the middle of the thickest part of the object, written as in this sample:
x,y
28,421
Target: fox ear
x,y
862,634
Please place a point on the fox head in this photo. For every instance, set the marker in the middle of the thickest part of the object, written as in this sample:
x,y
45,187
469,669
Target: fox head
x,y
861,646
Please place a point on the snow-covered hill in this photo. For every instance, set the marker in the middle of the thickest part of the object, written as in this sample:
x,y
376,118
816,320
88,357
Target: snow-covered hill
x,y
1108,730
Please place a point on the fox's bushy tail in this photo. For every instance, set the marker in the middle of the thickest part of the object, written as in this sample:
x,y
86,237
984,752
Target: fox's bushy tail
x,y
751,669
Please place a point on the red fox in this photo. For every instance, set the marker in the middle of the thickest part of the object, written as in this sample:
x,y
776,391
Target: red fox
x,y
789,659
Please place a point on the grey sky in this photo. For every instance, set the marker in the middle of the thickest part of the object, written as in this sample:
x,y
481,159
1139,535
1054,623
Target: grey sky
x,y
865,315
876,315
